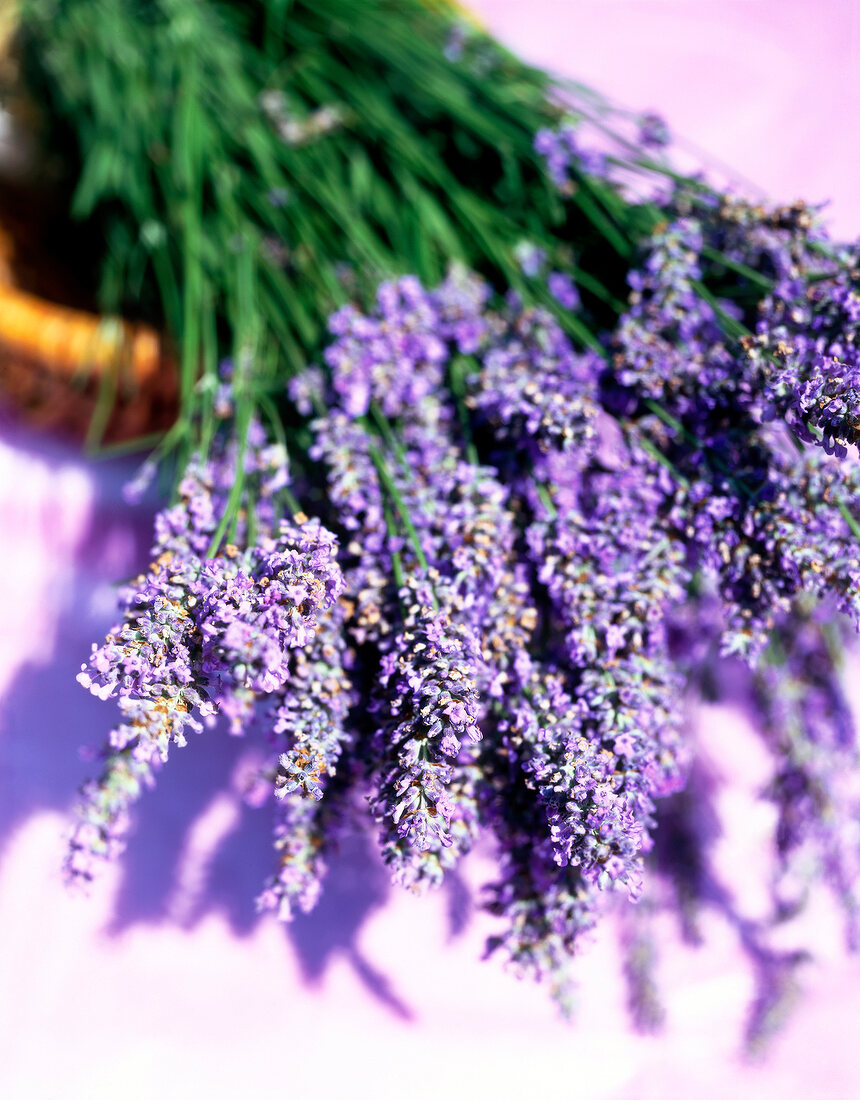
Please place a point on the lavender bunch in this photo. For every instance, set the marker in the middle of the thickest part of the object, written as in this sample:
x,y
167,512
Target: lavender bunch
x,y
534,553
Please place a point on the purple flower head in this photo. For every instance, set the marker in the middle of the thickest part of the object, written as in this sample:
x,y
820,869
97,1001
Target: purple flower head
x,y
565,156
653,132
394,357
563,289
531,258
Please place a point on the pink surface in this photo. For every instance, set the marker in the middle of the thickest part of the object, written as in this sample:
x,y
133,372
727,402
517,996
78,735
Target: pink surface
x,y
164,984
768,87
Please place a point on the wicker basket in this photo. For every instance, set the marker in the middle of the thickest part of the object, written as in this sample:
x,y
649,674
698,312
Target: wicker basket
x,y
62,367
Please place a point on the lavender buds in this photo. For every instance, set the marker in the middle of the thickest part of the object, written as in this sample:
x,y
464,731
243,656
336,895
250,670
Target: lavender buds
x,y
529,561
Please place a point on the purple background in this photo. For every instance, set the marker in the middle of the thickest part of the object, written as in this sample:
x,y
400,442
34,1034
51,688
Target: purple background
x,y
164,983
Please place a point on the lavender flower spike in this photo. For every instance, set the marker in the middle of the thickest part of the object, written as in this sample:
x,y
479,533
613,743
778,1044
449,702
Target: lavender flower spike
x,y
430,707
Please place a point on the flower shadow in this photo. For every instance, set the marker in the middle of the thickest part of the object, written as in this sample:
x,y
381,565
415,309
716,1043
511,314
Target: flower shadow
x,y
196,849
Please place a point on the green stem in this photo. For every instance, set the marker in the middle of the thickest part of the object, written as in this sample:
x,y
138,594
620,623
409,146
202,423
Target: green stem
x,y
546,499
397,500
853,526
457,379
235,498
741,269
658,456
396,558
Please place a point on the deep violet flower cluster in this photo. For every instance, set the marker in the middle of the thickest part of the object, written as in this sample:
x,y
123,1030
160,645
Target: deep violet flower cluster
x,y
529,562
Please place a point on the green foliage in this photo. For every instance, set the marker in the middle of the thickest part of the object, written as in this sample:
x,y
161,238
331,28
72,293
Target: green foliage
x,y
241,242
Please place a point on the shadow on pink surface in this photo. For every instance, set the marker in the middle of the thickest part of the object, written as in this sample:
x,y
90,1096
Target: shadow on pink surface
x,y
196,848
198,857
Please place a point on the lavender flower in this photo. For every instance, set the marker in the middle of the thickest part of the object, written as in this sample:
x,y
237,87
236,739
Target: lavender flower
x,y
801,710
530,257
430,708
763,520
302,834
653,131
256,607
534,389
640,960
566,157
563,289
548,912
396,359
777,990
103,819
312,712
825,407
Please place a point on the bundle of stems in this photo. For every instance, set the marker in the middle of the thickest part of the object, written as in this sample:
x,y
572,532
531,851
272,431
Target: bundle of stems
x,y
247,167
